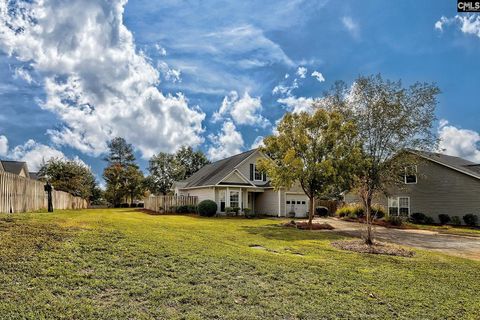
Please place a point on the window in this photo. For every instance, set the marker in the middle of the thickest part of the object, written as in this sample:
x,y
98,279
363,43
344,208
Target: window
x,y
410,175
234,199
303,202
258,175
298,202
222,201
399,206
288,202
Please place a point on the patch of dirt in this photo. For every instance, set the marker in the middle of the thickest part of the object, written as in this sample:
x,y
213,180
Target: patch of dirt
x,y
304,225
259,247
376,248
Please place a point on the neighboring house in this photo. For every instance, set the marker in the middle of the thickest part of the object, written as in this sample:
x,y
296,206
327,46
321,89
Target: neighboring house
x,y
236,182
16,167
438,184
33,175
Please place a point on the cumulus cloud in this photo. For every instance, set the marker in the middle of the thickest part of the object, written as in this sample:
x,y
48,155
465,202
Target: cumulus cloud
x,y
225,143
3,146
96,82
161,50
169,74
468,24
318,75
32,152
258,142
302,72
285,89
296,105
244,110
459,142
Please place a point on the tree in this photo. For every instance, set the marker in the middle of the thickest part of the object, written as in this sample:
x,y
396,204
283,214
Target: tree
x,y
122,175
390,119
316,150
134,183
191,161
71,176
164,170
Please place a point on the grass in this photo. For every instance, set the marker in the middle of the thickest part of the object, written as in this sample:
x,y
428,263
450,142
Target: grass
x,y
120,263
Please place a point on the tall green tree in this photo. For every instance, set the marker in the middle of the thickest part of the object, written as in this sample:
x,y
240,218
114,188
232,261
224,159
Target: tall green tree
x,y
390,119
122,175
164,171
191,161
70,176
315,150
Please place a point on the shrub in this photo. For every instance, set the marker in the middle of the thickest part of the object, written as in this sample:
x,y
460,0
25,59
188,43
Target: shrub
x,y
248,213
236,210
444,218
470,220
353,212
395,220
229,211
182,209
192,208
455,220
207,208
378,212
418,217
343,211
124,205
428,220
321,211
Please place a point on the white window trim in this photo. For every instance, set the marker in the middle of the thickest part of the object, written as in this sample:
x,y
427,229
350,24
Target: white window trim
x,y
405,176
230,197
261,173
398,205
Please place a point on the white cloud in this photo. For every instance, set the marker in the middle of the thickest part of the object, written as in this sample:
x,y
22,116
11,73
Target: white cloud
x,y
96,82
318,75
351,26
285,89
459,142
302,72
22,73
258,142
161,50
226,143
3,146
32,152
244,111
468,24
296,105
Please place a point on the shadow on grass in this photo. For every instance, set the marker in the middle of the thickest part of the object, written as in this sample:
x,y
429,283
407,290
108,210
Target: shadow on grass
x,y
278,232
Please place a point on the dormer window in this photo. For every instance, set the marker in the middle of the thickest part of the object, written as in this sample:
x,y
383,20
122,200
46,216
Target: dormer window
x,y
257,175
410,175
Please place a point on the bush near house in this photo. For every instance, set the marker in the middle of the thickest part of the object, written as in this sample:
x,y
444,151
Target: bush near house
x,y
444,219
395,220
186,209
455,220
470,220
358,212
418,217
321,211
207,208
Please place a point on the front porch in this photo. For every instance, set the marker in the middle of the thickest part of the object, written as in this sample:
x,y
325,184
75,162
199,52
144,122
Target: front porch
x,y
242,197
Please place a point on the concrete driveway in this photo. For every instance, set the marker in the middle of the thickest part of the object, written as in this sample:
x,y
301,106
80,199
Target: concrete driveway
x,y
463,246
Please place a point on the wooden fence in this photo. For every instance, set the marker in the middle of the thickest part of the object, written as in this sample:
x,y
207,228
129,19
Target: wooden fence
x,y
168,204
19,194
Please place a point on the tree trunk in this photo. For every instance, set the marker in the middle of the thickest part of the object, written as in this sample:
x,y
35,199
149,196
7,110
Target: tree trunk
x,y
367,202
311,211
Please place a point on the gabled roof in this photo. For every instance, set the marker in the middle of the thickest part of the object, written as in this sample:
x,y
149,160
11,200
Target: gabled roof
x,y
455,163
14,167
33,175
215,172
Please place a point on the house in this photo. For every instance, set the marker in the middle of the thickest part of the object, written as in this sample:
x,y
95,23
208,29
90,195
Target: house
x,y
438,184
236,182
33,175
19,168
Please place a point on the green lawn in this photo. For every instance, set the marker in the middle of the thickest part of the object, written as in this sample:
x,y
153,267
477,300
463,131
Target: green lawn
x,y
119,263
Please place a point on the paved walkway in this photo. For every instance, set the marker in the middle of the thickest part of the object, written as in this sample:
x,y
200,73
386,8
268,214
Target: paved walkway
x,y
463,246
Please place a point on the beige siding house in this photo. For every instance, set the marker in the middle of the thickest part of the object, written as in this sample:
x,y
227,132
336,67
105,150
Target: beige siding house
x,y
438,184
236,182
19,168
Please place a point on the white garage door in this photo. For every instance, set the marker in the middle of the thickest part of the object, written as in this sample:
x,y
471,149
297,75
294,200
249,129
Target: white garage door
x,y
298,204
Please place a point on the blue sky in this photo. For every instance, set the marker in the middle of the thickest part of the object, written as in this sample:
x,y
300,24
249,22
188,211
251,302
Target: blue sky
x,y
216,75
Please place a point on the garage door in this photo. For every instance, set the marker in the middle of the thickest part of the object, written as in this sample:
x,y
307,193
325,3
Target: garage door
x,y
297,204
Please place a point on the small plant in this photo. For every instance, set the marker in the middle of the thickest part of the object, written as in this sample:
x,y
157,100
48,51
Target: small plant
x,y
470,220
455,220
229,211
352,212
418,217
207,208
236,210
248,213
444,219
395,220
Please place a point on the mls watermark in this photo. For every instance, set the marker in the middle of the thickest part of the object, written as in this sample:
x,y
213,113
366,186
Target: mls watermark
x,y
468,6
